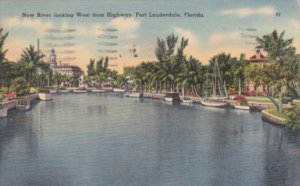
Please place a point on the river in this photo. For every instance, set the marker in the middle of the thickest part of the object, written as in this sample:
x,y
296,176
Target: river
x,y
107,139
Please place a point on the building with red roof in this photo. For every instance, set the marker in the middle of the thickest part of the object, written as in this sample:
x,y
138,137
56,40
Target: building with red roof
x,y
261,60
65,69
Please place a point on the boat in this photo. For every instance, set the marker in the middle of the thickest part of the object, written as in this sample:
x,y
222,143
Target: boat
x,y
53,91
186,100
240,102
171,97
80,90
242,107
119,90
134,94
220,103
22,104
64,91
97,90
217,100
45,95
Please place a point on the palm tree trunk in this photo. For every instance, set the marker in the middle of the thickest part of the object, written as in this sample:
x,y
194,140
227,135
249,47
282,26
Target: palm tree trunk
x,y
240,86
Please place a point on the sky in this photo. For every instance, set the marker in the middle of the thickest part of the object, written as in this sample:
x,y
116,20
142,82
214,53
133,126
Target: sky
x,y
223,26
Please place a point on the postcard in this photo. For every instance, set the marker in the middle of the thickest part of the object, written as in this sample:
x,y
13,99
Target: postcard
x,y
127,92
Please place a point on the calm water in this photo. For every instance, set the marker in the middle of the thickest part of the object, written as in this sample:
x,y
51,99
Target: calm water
x,y
105,139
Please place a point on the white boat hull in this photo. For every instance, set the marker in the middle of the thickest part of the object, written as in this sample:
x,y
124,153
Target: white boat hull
x,y
64,91
186,102
79,91
214,104
118,90
241,107
97,90
53,91
169,99
45,96
134,95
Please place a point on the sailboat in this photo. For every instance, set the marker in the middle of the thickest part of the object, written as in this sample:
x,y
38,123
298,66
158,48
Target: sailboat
x,y
217,84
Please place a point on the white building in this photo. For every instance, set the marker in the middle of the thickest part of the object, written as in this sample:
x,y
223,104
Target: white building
x,y
65,69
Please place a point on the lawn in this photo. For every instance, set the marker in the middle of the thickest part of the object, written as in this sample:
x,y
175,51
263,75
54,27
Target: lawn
x,y
258,99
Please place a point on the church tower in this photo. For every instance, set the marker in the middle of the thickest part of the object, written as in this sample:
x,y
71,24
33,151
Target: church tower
x,y
52,59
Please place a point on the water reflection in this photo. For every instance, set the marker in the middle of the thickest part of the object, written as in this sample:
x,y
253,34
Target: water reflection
x,y
105,139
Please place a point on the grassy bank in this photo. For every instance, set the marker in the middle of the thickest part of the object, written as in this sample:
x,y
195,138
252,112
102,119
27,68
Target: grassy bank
x,y
259,100
291,115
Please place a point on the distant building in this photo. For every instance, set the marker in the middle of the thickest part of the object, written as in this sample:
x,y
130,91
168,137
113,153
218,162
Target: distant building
x,y
261,60
65,69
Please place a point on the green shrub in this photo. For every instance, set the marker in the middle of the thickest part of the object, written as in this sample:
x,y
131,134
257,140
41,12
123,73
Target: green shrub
x,y
1,97
19,86
293,117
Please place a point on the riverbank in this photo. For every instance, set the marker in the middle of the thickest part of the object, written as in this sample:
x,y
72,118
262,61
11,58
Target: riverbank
x,y
267,113
21,103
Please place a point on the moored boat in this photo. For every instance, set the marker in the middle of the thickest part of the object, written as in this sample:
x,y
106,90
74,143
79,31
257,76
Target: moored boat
x,y
45,95
186,100
134,94
240,102
215,103
53,90
242,107
171,97
63,91
119,90
80,91
97,90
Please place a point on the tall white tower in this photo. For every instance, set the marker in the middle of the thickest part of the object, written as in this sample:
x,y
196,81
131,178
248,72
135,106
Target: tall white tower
x,y
52,59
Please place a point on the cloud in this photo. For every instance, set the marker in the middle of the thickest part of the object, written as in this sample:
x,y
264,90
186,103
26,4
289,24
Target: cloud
x,y
35,24
219,38
97,29
247,11
15,48
294,24
193,44
125,24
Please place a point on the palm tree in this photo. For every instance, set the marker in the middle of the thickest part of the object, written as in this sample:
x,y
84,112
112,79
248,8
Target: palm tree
x,y
58,79
10,72
190,75
32,60
2,53
278,50
45,74
239,71
100,77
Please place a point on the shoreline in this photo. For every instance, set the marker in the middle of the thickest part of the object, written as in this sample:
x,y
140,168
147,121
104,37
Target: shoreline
x,y
11,104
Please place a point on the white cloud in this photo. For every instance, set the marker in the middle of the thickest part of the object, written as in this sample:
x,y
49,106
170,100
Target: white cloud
x,y
125,24
218,38
247,11
97,29
294,24
193,47
35,24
